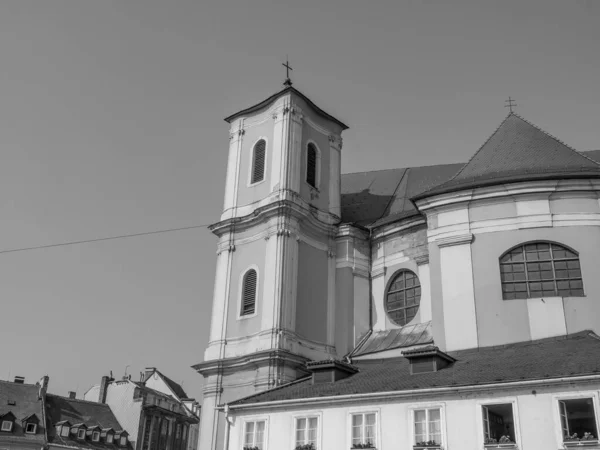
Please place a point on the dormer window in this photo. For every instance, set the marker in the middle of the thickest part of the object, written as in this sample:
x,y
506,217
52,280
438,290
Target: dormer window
x,y
64,431
81,433
7,425
7,419
330,371
30,424
30,428
95,436
123,441
109,438
427,359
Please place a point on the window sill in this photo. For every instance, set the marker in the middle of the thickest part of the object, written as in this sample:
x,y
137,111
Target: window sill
x,y
508,445
417,447
591,443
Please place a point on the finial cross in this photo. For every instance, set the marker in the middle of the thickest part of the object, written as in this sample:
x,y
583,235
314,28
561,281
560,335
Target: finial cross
x,y
287,66
510,103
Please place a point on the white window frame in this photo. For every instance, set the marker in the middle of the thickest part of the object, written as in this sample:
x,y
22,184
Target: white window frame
x,y
79,433
357,411
264,419
7,425
498,401
110,438
95,436
241,292
317,169
27,425
123,441
411,421
249,183
64,431
573,396
308,415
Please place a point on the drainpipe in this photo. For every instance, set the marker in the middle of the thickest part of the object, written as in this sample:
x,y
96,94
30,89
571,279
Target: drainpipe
x,y
228,421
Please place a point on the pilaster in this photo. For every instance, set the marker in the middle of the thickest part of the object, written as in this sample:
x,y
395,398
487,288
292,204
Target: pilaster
x,y
233,168
335,179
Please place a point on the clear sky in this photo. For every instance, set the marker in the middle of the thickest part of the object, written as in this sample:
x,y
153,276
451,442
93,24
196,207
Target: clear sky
x,y
111,123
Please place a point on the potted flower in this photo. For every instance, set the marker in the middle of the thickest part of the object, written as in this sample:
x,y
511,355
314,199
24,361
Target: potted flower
x,y
309,446
251,448
427,444
574,439
367,444
505,441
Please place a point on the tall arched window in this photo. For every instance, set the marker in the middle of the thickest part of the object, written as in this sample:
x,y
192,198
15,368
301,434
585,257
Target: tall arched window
x,y
258,161
249,293
540,269
311,165
403,297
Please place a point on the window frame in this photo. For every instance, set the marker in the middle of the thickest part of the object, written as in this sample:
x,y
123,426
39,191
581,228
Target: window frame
x,y
255,419
79,433
250,183
110,437
552,261
240,295
357,411
307,415
123,441
95,436
65,429
427,406
498,401
317,165
6,429
574,396
387,289
27,425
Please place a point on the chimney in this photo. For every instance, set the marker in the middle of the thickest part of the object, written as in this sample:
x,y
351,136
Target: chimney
x,y
72,395
19,380
149,372
43,386
103,388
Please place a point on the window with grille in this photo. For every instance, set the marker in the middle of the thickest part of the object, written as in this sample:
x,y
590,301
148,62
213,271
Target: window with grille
x,y
249,293
428,427
403,297
540,269
258,161
364,430
311,165
254,434
307,429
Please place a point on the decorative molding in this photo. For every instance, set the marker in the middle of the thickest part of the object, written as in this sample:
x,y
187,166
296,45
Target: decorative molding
x,y
375,273
335,142
423,259
455,240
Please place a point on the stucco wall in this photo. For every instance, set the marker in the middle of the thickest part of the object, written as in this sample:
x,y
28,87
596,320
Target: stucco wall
x,y
127,410
311,300
344,307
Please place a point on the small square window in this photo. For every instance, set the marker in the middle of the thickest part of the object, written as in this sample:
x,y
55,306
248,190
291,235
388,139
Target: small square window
x,y
578,420
109,438
81,433
96,436
30,428
6,425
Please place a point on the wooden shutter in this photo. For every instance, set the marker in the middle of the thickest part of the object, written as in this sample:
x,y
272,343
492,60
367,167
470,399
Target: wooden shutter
x,y
311,165
258,164
249,293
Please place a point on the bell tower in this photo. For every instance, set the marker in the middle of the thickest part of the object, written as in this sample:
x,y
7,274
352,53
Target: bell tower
x,y
274,294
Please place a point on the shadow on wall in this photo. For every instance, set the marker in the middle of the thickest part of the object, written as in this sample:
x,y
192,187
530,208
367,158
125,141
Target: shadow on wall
x,y
364,207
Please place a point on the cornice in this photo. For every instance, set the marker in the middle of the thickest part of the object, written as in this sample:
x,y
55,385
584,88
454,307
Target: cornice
x,y
466,238
218,366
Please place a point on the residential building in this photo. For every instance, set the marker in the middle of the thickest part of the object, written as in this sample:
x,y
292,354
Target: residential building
x,y
449,306
155,420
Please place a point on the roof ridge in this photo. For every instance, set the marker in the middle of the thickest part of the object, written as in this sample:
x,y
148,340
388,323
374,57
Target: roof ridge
x,y
79,400
393,196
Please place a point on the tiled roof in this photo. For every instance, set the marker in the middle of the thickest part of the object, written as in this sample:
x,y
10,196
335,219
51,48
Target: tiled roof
x,y
26,402
567,356
408,336
175,387
79,412
518,151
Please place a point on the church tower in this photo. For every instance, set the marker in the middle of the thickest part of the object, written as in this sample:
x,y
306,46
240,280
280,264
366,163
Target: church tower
x,y
274,294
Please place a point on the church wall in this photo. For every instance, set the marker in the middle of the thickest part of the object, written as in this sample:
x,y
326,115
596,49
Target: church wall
x,y
248,193
311,302
246,256
344,310
437,306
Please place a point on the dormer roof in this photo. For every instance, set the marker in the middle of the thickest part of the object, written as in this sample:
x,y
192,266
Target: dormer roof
x,y
267,102
518,151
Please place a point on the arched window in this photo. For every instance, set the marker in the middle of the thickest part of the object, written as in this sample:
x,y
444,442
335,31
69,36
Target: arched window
x,y
402,297
249,293
258,161
540,269
311,165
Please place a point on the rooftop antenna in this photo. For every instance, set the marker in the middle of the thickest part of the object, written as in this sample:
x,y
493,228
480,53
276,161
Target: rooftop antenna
x,y
125,376
288,81
510,104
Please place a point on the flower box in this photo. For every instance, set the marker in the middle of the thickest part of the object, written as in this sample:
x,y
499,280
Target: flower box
x,y
504,445
427,445
582,443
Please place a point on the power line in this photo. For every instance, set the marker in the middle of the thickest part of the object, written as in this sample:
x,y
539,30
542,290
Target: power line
x,y
110,238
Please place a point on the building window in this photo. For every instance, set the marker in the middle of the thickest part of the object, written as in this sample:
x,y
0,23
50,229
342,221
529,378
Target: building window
x,y
428,427
81,433
6,425
498,424
363,430
254,434
540,269
96,436
258,162
123,441
311,165
30,428
578,420
249,293
306,431
109,438
64,431
403,297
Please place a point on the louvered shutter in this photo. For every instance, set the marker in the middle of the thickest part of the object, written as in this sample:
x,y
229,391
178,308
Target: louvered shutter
x,y
258,167
311,165
249,293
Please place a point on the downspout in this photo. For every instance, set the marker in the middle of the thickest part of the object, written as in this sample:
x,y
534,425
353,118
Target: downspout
x,y
228,420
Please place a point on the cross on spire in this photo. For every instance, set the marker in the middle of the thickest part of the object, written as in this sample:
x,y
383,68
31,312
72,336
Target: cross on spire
x,y
287,66
510,103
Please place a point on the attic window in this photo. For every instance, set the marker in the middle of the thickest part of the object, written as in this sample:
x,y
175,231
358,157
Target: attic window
x,y
123,441
6,425
96,436
427,359
30,428
64,431
330,371
109,438
81,433
12,402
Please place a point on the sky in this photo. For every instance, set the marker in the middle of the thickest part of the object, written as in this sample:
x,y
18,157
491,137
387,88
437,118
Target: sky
x,y
111,123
